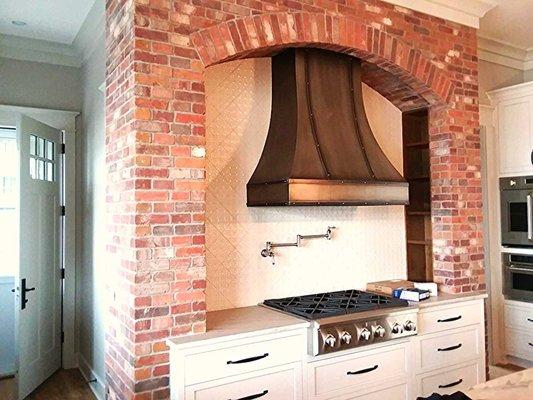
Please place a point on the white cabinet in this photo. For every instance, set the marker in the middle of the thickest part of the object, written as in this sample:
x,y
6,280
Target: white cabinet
x,y
449,350
519,329
514,111
354,375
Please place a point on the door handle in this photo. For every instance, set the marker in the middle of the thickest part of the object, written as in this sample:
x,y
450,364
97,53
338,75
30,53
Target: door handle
x,y
254,396
457,346
449,385
363,371
23,290
247,360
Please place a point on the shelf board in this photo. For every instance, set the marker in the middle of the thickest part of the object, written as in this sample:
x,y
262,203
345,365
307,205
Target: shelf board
x,y
421,145
420,212
420,242
421,178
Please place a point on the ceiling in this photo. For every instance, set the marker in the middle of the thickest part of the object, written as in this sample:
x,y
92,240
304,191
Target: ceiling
x,y
509,22
51,20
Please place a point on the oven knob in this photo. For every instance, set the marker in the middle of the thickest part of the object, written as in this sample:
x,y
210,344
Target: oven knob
x,y
410,326
365,334
346,337
330,340
397,328
380,331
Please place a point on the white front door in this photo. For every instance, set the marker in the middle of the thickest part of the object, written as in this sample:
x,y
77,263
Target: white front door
x,y
39,281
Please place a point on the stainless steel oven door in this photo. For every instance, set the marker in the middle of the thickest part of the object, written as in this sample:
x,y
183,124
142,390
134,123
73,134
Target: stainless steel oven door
x,y
518,278
517,217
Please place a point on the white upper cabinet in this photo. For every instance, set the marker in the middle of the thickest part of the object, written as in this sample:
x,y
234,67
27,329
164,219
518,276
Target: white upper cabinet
x,y
514,113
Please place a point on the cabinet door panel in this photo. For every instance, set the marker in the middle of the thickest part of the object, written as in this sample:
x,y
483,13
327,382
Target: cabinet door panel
x,y
515,136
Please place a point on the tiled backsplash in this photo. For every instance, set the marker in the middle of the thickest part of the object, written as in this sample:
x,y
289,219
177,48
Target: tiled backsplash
x,y
368,245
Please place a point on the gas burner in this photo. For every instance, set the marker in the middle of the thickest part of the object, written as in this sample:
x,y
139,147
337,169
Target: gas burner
x,y
333,304
349,318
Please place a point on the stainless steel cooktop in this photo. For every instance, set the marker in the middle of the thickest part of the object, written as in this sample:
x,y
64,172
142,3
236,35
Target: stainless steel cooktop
x,y
350,318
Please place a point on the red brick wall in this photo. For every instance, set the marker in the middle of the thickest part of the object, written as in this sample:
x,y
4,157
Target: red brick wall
x,y
157,50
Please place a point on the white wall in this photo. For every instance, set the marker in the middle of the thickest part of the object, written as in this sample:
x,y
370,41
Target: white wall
x,y
91,222
40,85
7,326
368,245
495,76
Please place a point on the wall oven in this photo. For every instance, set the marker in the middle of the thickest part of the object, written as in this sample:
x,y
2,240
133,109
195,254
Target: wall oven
x,y
518,276
516,196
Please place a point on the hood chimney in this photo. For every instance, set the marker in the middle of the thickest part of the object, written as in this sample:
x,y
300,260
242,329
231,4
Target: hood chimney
x,y
320,149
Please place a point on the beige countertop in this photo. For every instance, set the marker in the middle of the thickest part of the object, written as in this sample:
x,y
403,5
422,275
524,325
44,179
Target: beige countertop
x,y
240,322
516,386
249,321
447,298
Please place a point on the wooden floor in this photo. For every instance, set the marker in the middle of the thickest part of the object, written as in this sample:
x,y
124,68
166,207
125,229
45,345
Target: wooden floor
x,y
63,385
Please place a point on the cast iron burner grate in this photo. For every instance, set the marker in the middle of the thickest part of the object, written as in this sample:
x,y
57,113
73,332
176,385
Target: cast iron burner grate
x,y
315,306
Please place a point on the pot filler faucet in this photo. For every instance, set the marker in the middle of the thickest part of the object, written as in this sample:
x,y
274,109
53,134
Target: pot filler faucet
x,y
268,250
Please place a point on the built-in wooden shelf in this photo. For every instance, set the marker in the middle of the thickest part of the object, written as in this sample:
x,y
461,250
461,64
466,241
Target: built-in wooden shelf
x,y
418,213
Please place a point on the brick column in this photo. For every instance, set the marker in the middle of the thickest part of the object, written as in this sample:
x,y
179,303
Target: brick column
x,y
155,195
456,196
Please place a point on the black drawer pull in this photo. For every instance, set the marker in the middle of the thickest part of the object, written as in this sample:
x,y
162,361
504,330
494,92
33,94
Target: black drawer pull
x,y
363,371
457,346
247,360
530,320
449,385
531,344
450,319
253,396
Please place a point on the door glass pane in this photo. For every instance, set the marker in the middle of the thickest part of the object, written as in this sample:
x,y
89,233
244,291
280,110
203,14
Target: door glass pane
x,y
33,144
49,150
32,168
40,170
523,282
49,172
40,147
518,217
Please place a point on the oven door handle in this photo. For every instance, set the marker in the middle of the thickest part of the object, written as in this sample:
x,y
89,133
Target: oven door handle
x,y
528,271
529,217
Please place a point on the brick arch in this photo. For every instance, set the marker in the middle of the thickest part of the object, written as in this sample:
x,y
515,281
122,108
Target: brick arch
x,y
393,67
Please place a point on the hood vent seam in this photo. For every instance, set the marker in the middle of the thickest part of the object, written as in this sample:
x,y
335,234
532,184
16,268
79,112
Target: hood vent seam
x,y
312,116
356,125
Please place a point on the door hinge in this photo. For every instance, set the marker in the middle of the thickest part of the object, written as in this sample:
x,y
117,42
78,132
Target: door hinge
x,y
62,273
62,337
63,148
63,210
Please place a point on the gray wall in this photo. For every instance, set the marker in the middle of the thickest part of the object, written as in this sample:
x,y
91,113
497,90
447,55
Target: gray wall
x,y
90,189
41,85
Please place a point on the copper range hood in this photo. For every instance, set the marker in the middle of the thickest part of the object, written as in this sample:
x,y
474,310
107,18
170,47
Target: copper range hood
x,y
320,149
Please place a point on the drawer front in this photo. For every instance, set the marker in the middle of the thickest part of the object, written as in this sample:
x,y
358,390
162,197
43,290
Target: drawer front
x,y
399,392
450,380
519,343
443,349
518,317
279,385
353,372
241,359
440,319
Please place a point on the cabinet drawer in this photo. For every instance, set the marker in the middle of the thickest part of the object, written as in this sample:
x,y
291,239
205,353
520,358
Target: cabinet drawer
x,y
440,319
448,348
519,343
449,380
518,317
284,384
340,375
399,392
242,358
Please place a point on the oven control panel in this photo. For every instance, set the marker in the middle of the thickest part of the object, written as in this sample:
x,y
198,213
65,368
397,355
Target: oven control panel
x,y
356,333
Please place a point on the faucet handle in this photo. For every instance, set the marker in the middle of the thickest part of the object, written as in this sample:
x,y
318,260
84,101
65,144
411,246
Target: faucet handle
x,y
329,231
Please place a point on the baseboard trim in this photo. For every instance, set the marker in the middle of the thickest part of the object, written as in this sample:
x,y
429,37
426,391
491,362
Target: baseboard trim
x,y
98,387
